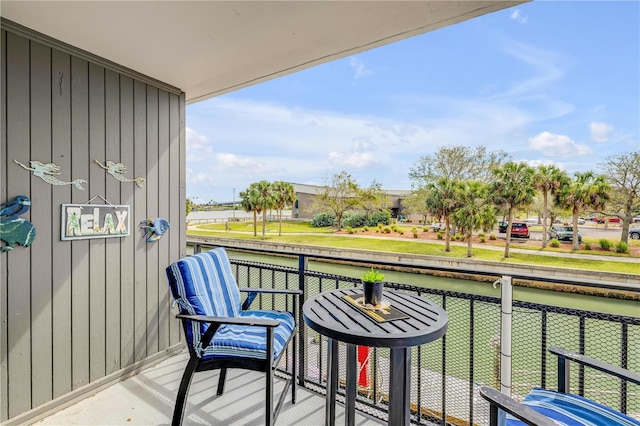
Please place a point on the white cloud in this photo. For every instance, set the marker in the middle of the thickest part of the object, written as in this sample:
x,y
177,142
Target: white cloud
x,y
360,69
198,146
547,67
517,16
242,164
557,146
354,160
600,132
536,163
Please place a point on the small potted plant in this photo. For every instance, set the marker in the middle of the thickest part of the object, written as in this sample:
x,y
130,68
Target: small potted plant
x,y
372,283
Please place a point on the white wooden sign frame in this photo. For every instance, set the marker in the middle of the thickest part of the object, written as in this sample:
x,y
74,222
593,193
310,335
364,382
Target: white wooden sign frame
x,y
85,221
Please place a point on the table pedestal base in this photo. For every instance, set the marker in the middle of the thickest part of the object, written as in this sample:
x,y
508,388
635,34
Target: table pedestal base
x,y
399,387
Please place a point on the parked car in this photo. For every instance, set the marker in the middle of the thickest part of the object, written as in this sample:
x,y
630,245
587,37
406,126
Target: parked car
x,y
634,233
635,219
599,219
438,226
563,233
518,229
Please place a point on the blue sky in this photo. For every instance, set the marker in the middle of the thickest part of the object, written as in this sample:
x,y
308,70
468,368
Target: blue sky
x,y
547,82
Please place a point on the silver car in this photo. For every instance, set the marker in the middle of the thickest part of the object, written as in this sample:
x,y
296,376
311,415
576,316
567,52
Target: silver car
x,y
563,233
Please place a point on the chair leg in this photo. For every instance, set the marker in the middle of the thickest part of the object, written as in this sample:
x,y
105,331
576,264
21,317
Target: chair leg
x,y
268,363
294,368
221,381
269,420
183,390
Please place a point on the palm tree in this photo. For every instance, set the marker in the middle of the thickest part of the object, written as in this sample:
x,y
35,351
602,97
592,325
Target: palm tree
x,y
586,190
249,202
284,194
265,201
442,202
475,212
548,179
512,187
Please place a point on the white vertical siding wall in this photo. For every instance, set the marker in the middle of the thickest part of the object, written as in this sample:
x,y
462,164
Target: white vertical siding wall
x,y
77,313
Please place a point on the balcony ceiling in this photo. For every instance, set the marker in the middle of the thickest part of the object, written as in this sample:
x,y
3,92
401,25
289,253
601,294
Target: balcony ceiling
x,y
207,48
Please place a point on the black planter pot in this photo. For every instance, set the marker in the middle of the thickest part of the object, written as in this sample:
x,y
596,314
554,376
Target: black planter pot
x,y
372,292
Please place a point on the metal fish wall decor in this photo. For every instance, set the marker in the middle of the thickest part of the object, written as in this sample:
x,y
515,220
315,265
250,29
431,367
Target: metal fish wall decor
x,y
47,173
14,229
117,170
154,228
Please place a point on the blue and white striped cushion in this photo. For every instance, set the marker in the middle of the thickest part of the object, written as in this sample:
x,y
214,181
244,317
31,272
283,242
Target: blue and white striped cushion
x,y
204,285
570,410
251,342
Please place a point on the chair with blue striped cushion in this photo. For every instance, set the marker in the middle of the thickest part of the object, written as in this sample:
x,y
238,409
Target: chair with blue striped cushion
x,y
542,407
221,332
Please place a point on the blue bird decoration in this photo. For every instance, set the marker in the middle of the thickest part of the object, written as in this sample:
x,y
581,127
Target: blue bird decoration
x,y
154,228
14,229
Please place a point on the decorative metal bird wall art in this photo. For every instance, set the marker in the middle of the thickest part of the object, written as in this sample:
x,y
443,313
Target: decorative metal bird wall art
x,y
117,170
154,228
14,229
47,171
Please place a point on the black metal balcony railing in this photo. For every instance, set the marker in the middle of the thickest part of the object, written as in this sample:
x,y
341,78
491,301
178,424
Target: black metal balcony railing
x,y
447,373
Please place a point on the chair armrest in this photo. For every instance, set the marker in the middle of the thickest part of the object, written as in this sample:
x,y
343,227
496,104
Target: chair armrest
x,y
520,411
616,371
249,321
271,290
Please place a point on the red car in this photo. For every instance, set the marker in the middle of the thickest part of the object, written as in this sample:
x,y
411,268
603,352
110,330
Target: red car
x,y
597,219
519,229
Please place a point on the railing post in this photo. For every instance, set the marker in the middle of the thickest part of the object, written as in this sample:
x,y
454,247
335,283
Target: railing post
x,y
302,347
623,363
506,318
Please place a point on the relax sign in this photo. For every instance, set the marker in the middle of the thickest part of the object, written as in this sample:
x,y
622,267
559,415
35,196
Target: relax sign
x,y
82,221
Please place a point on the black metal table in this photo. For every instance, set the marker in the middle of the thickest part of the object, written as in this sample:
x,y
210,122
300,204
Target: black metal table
x,y
331,315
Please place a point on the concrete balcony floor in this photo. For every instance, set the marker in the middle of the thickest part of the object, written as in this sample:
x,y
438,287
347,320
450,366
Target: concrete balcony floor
x,y
148,398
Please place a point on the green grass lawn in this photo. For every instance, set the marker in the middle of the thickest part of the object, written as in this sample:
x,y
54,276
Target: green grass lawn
x,y
324,237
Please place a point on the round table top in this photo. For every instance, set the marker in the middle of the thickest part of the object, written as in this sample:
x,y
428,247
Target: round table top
x,y
332,315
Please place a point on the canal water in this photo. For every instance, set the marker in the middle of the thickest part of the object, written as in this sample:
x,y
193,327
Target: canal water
x,y
527,294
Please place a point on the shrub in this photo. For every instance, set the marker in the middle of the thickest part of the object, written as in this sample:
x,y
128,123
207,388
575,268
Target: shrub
x,y
554,243
482,238
458,237
386,230
379,218
425,229
323,219
440,235
587,246
366,229
605,244
414,229
355,220
349,229
622,247
492,237
415,234
400,231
